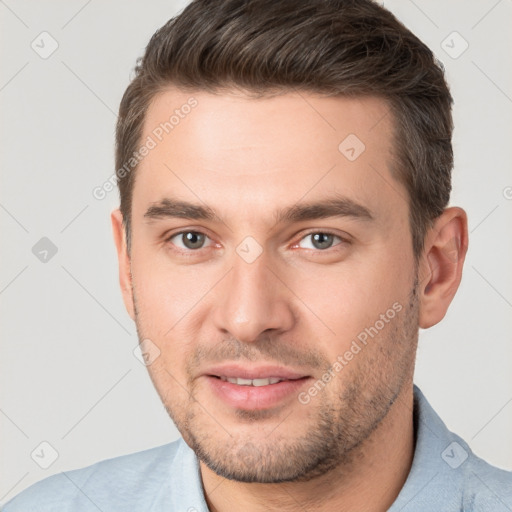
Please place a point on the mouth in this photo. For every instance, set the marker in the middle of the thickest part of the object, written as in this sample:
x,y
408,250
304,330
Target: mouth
x,y
255,388
240,381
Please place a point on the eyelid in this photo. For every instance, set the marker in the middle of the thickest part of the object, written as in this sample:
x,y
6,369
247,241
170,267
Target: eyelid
x,y
179,231
345,240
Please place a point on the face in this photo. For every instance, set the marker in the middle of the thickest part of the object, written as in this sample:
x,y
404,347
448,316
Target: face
x,y
272,275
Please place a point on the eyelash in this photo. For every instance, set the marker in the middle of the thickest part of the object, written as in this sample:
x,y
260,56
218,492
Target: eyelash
x,y
191,252
343,241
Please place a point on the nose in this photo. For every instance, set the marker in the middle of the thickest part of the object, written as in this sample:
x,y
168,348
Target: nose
x,y
252,300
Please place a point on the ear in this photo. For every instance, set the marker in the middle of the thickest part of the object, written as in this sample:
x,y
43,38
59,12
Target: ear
x,y
441,265
125,276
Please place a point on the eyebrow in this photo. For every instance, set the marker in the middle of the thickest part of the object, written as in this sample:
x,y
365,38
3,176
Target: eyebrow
x,y
337,206
170,208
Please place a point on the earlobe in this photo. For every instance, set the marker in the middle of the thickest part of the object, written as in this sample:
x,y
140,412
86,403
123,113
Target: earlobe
x,y
125,277
445,249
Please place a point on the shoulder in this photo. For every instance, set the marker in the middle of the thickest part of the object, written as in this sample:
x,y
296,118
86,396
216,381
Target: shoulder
x,y
105,485
446,474
487,487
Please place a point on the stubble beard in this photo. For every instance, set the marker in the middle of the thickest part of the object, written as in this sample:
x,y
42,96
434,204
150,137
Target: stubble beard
x,y
344,419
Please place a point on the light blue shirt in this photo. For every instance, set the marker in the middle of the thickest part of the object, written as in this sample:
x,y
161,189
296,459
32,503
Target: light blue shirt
x,y
445,477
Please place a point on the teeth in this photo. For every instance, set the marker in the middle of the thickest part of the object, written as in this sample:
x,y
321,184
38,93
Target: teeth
x,y
243,382
252,382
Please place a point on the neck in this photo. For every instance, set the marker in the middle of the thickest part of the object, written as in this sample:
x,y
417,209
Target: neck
x,y
378,472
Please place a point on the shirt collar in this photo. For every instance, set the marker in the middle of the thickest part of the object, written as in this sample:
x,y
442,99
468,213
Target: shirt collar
x,y
434,479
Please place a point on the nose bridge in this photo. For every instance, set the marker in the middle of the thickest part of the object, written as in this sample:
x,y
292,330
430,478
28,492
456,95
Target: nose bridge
x,y
251,300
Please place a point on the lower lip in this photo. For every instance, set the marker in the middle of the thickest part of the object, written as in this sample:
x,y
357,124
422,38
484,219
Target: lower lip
x,y
256,397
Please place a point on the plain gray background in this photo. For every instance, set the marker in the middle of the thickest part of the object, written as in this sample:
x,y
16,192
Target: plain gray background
x,y
69,376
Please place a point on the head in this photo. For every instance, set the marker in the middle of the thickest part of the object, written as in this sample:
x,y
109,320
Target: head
x,y
289,209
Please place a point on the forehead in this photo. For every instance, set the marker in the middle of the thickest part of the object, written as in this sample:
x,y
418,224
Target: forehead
x,y
233,151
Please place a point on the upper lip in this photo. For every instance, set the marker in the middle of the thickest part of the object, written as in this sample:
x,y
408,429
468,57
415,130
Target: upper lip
x,y
254,372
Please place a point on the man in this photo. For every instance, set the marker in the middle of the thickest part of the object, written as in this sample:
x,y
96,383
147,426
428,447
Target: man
x,y
284,173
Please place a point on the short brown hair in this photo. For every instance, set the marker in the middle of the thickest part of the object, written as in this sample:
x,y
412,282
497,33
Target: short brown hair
x,y
329,47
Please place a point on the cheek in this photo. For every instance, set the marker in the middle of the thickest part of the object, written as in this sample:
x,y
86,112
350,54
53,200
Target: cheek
x,y
166,293
168,305
345,299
